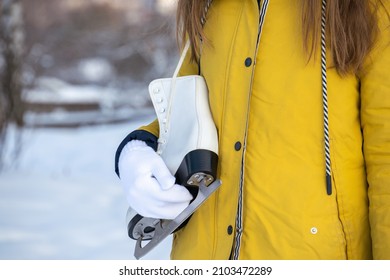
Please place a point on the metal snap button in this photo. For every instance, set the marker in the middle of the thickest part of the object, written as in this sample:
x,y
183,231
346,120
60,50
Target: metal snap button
x,y
248,62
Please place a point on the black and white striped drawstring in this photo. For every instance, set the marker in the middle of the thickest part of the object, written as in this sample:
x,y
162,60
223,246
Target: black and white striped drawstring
x,y
202,22
206,8
325,99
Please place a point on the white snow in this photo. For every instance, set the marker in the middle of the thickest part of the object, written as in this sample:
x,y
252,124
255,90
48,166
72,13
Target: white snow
x,y
96,69
113,104
62,199
49,89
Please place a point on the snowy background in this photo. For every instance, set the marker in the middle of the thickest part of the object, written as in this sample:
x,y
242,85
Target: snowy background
x,y
62,200
87,70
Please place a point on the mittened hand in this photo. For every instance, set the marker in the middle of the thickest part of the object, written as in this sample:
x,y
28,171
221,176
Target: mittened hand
x,y
148,184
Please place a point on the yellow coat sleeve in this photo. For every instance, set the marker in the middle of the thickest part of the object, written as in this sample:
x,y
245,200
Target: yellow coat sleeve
x,y
188,68
375,120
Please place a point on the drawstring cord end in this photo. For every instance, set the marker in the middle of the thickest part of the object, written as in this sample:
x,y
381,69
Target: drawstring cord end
x,y
328,184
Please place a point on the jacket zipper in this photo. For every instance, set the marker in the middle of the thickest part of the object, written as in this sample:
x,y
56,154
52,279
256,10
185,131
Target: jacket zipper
x,y
239,219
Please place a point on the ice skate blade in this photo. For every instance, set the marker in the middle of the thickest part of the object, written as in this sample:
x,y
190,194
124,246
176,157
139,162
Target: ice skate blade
x,y
163,230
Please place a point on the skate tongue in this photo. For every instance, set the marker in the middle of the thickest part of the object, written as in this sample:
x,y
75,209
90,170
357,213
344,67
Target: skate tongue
x,y
164,228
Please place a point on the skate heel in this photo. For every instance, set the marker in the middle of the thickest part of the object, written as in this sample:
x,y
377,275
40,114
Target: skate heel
x,y
196,166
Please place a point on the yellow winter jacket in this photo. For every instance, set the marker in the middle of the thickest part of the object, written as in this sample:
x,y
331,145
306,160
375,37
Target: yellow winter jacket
x,y
266,102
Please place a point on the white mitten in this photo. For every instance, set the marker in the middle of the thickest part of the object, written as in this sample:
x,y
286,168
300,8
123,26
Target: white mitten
x,y
148,184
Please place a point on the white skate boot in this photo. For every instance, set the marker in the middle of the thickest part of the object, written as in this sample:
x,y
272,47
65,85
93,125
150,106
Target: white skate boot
x,y
188,144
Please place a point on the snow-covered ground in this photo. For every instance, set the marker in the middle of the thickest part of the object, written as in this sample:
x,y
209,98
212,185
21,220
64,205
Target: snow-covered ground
x,y
62,200
107,104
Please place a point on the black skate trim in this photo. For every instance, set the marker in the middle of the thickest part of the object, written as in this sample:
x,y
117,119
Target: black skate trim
x,y
133,223
143,135
196,161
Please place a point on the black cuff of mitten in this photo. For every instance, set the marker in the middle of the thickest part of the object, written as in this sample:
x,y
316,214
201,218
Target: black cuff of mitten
x,y
143,135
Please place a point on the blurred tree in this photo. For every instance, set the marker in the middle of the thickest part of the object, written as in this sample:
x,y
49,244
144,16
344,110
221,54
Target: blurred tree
x,y
11,52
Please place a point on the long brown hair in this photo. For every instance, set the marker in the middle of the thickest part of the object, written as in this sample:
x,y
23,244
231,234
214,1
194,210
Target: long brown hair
x,y
352,27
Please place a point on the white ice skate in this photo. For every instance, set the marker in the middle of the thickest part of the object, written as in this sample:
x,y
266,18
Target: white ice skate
x,y
188,144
